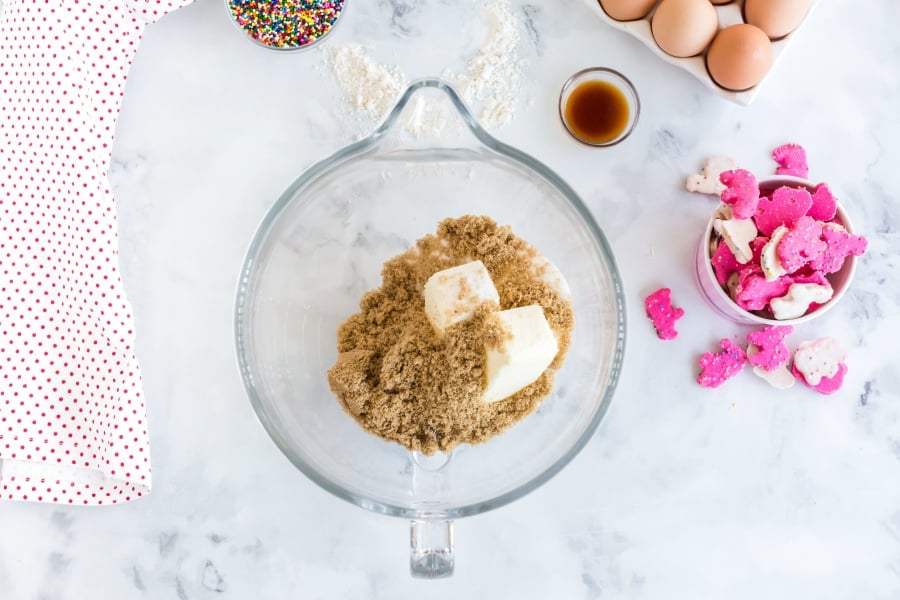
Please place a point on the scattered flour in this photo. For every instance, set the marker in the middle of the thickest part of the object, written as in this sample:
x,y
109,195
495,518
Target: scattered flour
x,y
368,86
490,84
492,76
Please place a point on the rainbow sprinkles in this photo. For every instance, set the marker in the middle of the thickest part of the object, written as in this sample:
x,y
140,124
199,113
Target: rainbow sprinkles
x,y
286,24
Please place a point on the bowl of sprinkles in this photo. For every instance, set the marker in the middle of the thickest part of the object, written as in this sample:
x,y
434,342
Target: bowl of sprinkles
x,y
285,24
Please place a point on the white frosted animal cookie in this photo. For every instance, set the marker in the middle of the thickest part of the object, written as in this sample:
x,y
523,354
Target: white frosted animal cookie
x,y
771,265
780,378
796,302
737,233
819,359
707,180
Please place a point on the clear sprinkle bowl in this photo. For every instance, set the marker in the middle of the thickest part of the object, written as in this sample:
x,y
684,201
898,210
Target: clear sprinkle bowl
x,y
322,245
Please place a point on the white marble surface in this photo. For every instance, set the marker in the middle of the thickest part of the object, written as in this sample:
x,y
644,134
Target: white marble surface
x,y
743,492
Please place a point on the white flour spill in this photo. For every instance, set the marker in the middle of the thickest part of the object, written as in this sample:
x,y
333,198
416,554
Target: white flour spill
x,y
490,85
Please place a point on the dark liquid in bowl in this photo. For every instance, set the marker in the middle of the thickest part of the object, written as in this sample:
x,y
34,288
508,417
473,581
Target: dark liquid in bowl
x,y
597,112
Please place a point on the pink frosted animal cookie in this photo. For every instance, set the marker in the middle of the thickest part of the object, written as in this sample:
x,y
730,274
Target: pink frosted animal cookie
x,y
742,192
724,263
707,180
773,352
800,244
784,207
839,244
662,313
754,292
820,365
780,377
824,204
716,369
791,159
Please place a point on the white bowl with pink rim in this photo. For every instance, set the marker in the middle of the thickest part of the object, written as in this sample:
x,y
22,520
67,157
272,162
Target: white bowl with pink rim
x,y
722,303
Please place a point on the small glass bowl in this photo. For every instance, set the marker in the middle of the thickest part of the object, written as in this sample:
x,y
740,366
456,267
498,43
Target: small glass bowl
x,y
620,82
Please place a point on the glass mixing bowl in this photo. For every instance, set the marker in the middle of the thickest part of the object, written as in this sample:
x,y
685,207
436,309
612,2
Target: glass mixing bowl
x,y
322,245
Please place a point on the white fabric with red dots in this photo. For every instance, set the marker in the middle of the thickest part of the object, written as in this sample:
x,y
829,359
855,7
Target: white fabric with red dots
x,y
73,425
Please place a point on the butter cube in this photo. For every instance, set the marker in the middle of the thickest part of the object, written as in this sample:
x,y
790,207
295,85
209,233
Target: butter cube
x,y
522,355
452,295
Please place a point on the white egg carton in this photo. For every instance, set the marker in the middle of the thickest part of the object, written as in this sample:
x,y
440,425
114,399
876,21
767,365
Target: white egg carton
x,y
729,14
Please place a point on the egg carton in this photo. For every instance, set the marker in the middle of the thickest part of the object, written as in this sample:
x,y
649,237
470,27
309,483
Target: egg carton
x,y
729,14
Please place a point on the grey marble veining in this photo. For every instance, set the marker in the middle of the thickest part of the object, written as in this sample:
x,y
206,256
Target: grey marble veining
x,y
741,492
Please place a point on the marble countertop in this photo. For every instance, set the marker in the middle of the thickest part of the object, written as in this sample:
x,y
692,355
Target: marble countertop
x,y
740,492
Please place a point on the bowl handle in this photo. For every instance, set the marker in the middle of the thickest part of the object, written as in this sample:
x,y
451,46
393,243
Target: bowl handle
x,y
431,548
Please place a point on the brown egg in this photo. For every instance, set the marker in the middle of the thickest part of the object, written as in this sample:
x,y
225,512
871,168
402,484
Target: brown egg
x,y
776,17
739,57
627,10
684,27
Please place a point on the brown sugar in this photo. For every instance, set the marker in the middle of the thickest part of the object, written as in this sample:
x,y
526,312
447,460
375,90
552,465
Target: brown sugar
x,y
403,382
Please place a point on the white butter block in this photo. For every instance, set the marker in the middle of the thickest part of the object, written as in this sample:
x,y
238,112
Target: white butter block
x,y
452,295
527,351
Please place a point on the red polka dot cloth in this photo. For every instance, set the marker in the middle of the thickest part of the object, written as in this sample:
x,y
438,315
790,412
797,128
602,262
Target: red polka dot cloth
x,y
73,426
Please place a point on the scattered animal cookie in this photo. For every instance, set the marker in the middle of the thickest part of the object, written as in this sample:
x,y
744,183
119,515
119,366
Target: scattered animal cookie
x,y
737,233
791,159
820,365
772,351
662,313
707,180
801,244
716,369
785,207
742,192
780,377
839,245
798,299
824,205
